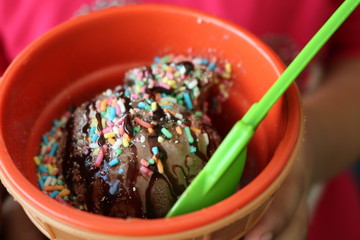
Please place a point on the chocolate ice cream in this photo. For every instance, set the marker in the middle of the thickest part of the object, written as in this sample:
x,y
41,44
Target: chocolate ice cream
x,y
132,151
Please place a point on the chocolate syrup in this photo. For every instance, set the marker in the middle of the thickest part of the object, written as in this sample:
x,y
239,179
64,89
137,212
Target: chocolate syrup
x,y
86,119
128,128
101,140
189,67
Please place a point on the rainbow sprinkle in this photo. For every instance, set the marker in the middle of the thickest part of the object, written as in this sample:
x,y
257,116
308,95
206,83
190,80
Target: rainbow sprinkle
x,y
113,162
166,132
49,180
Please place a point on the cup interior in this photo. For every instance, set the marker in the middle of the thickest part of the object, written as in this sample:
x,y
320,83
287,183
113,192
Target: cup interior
x,y
89,54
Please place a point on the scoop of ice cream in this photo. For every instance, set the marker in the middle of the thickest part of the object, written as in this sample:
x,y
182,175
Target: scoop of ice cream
x,y
132,151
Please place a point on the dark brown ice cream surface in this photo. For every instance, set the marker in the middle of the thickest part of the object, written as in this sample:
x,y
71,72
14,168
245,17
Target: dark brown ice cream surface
x,y
131,151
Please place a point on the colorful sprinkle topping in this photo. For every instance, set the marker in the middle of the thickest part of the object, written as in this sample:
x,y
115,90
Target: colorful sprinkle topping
x,y
48,174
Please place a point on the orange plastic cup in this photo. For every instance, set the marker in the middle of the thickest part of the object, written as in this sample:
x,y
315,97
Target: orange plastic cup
x,y
88,54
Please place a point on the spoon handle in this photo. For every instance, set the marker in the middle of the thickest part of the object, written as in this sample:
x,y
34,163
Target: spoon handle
x,y
259,110
240,134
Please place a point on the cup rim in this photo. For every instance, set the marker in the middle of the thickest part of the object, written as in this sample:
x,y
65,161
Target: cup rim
x,y
12,177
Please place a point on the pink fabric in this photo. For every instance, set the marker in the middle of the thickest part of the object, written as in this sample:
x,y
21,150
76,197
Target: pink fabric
x,y
284,25
22,21
338,213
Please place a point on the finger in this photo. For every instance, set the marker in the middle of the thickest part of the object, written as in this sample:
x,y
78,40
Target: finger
x,y
283,208
16,224
296,229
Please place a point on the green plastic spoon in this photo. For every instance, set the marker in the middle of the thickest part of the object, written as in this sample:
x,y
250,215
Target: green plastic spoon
x,y
220,177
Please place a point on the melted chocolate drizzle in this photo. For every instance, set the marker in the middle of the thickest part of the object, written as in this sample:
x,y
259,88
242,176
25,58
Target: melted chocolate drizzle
x,y
128,128
189,66
101,140
127,104
87,122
